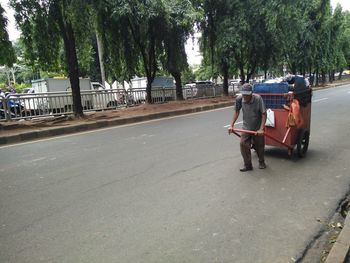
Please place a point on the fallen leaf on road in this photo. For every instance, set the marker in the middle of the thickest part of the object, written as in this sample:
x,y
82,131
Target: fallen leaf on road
x,y
333,239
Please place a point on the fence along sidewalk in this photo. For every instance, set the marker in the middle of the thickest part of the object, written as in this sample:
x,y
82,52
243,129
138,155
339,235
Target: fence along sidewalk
x,y
15,106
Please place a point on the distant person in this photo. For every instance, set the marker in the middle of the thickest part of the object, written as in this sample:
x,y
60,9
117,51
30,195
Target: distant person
x,y
300,82
11,89
312,79
301,88
254,118
295,117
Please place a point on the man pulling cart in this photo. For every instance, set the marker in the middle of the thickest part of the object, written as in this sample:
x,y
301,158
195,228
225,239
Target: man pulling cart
x,y
290,108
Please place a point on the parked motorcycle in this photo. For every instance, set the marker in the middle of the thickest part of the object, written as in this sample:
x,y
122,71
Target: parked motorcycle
x,y
14,108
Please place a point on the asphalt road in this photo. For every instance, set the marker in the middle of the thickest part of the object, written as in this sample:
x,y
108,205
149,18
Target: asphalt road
x,y
170,191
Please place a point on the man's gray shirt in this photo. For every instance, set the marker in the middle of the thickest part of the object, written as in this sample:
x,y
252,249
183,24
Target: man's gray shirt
x,y
252,111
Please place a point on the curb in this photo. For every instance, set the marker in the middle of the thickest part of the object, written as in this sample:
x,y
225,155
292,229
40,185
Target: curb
x,y
340,250
52,132
329,86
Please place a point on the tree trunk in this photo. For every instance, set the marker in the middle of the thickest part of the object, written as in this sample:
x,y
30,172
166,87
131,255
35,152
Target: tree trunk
x,y
67,33
100,58
323,77
242,75
311,78
149,89
340,73
248,77
178,85
73,69
8,77
225,73
330,76
150,64
13,76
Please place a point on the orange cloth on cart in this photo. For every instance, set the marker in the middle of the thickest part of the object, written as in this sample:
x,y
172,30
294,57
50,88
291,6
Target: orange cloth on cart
x,y
294,116
290,120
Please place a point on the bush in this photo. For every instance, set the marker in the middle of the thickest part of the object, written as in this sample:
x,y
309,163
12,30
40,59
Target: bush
x,y
3,86
20,87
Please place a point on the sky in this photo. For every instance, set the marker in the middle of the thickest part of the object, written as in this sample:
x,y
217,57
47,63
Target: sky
x,y
11,26
192,49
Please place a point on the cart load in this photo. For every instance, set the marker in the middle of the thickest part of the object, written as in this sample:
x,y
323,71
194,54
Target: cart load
x,y
273,94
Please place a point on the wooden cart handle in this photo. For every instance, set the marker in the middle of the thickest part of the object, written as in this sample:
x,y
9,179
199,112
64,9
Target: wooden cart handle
x,y
236,132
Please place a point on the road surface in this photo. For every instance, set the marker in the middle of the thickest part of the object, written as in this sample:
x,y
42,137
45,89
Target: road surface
x,y
170,190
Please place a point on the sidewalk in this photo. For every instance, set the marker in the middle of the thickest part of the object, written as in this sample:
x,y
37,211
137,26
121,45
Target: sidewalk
x,y
340,250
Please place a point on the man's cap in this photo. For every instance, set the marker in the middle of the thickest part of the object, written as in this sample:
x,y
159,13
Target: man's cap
x,y
247,89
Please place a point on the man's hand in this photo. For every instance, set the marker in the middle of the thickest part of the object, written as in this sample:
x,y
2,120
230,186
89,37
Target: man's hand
x,y
230,129
260,132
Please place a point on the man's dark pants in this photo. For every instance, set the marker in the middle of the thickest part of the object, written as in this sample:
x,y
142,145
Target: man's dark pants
x,y
245,145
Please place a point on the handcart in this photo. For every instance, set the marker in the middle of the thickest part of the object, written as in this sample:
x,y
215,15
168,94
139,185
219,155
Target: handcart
x,y
287,106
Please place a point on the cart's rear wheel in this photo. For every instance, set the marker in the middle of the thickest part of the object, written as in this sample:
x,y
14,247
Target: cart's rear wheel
x,y
303,142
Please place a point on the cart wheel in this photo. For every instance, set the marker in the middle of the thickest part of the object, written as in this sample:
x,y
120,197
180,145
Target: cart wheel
x,y
303,143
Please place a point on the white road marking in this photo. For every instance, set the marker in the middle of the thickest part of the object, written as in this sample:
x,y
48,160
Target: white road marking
x,y
320,100
38,159
237,123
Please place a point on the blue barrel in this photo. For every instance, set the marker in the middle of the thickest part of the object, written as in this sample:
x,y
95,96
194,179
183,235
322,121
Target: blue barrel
x,y
271,87
272,101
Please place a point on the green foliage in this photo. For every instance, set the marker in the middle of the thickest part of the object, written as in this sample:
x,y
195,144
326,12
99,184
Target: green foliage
x,y
180,17
344,62
121,54
148,37
305,35
205,72
20,87
133,32
188,75
40,35
48,27
7,56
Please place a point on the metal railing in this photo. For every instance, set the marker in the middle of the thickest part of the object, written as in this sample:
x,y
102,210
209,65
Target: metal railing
x,y
34,105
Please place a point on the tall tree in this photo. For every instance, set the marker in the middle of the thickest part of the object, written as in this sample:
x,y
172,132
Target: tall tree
x,y
180,17
238,37
214,25
121,55
323,38
7,54
345,40
148,28
45,25
143,23
340,34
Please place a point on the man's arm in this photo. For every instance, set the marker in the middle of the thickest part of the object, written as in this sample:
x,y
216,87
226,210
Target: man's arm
x,y
237,109
262,125
234,118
